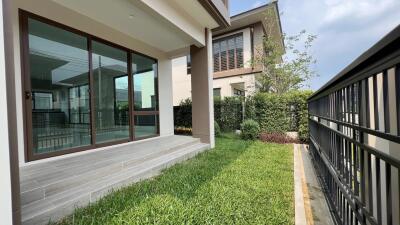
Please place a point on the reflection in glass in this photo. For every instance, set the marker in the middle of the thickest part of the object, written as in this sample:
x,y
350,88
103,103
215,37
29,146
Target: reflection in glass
x,y
145,125
144,81
58,62
110,91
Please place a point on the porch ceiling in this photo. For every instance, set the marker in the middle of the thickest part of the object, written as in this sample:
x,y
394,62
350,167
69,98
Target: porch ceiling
x,y
152,22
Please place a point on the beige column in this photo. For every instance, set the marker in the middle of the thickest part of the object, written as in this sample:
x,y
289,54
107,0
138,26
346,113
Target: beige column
x,y
9,169
202,96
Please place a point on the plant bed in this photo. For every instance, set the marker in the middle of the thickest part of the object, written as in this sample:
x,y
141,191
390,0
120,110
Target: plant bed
x,y
237,182
280,138
183,131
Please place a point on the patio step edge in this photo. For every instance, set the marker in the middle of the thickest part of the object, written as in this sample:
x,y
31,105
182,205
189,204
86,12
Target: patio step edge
x,y
65,205
47,190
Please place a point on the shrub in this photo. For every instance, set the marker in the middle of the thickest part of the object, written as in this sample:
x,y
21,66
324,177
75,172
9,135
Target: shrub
x,y
183,131
250,130
280,113
217,129
183,114
280,138
228,112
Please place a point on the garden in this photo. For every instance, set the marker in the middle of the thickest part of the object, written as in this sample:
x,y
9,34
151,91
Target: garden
x,y
267,116
238,182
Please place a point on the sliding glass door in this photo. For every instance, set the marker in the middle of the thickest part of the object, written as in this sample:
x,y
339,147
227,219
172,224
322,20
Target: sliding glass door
x,y
110,65
82,92
57,95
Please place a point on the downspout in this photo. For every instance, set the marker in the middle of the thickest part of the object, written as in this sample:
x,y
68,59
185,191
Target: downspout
x,y
252,46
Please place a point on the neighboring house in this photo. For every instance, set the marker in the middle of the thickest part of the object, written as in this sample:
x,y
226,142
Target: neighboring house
x,y
82,82
234,49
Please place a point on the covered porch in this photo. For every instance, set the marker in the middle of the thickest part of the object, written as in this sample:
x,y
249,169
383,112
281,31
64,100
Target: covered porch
x,y
89,97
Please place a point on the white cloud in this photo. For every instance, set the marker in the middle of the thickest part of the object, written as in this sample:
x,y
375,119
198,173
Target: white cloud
x,y
356,9
345,28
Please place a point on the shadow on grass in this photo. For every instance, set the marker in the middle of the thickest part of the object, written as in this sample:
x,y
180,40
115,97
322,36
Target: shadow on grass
x,y
180,181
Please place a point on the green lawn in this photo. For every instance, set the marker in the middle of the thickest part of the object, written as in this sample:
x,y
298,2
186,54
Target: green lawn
x,y
238,182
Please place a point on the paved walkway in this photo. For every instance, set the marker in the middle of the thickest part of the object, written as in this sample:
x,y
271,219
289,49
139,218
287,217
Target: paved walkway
x,y
310,207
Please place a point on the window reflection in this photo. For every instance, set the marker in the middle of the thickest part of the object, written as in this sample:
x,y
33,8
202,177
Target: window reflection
x,y
58,62
110,87
144,81
145,101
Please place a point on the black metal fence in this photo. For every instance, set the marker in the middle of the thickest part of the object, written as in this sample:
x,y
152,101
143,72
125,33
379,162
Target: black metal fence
x,y
354,127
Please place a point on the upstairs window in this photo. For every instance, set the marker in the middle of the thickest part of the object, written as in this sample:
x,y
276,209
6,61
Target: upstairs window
x,y
228,53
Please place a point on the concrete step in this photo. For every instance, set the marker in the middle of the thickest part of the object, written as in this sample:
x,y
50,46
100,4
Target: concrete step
x,y
50,182
63,203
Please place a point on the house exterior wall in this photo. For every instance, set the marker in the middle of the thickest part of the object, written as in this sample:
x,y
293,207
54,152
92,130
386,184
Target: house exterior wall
x,y
56,12
225,84
182,86
6,200
181,80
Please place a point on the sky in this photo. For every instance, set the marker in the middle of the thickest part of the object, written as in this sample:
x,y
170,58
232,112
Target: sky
x,y
345,28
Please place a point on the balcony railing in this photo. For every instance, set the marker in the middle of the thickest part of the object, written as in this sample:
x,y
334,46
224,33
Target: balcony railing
x,y
355,137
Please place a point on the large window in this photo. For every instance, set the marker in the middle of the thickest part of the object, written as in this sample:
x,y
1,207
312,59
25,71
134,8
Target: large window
x,y
79,92
228,53
144,71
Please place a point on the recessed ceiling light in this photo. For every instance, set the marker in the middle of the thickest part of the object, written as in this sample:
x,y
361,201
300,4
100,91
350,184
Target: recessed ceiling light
x,y
131,16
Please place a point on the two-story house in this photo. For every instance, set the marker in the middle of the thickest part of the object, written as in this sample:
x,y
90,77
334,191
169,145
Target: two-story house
x,y
234,50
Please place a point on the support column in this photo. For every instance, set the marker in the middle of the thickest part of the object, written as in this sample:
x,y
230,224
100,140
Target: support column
x,y
165,97
9,167
202,91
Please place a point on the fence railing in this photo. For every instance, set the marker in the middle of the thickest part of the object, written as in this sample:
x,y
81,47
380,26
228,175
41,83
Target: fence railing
x,y
354,127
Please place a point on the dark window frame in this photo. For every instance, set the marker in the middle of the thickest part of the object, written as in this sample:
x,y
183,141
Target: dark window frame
x,y
238,61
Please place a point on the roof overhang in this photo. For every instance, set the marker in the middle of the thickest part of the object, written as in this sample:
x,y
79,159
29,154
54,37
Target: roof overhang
x,y
219,10
254,16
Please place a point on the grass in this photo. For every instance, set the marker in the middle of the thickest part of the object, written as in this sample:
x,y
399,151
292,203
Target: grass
x,y
238,182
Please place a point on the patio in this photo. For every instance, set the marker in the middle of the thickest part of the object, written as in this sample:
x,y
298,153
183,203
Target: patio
x,y
53,188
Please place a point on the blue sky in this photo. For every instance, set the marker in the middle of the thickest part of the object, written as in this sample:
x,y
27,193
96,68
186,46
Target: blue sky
x,y
345,28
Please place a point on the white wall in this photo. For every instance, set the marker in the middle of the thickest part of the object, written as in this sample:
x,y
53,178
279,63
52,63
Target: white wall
x,y
181,80
182,87
165,97
5,165
226,84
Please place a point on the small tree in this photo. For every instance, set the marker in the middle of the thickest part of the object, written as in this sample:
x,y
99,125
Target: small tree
x,y
285,66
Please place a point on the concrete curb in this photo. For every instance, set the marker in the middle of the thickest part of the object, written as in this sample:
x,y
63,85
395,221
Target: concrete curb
x,y
299,209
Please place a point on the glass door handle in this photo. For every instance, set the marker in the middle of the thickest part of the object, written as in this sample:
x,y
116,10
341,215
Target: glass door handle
x,y
28,95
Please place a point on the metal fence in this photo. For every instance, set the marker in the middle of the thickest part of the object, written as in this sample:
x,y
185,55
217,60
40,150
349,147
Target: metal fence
x,y
355,137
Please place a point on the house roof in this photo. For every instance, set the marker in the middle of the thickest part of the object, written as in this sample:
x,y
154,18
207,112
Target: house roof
x,y
256,15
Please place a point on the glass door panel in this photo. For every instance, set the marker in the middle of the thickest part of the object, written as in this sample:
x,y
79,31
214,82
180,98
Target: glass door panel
x,y
145,99
58,66
110,73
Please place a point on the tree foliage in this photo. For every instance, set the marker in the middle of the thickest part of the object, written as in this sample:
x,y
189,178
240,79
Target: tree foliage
x,y
286,61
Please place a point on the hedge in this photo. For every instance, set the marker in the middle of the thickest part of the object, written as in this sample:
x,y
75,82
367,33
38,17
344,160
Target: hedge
x,y
280,113
274,113
228,113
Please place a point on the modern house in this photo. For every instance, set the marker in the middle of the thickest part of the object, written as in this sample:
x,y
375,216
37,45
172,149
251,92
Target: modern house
x,y
355,136
234,51
86,93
